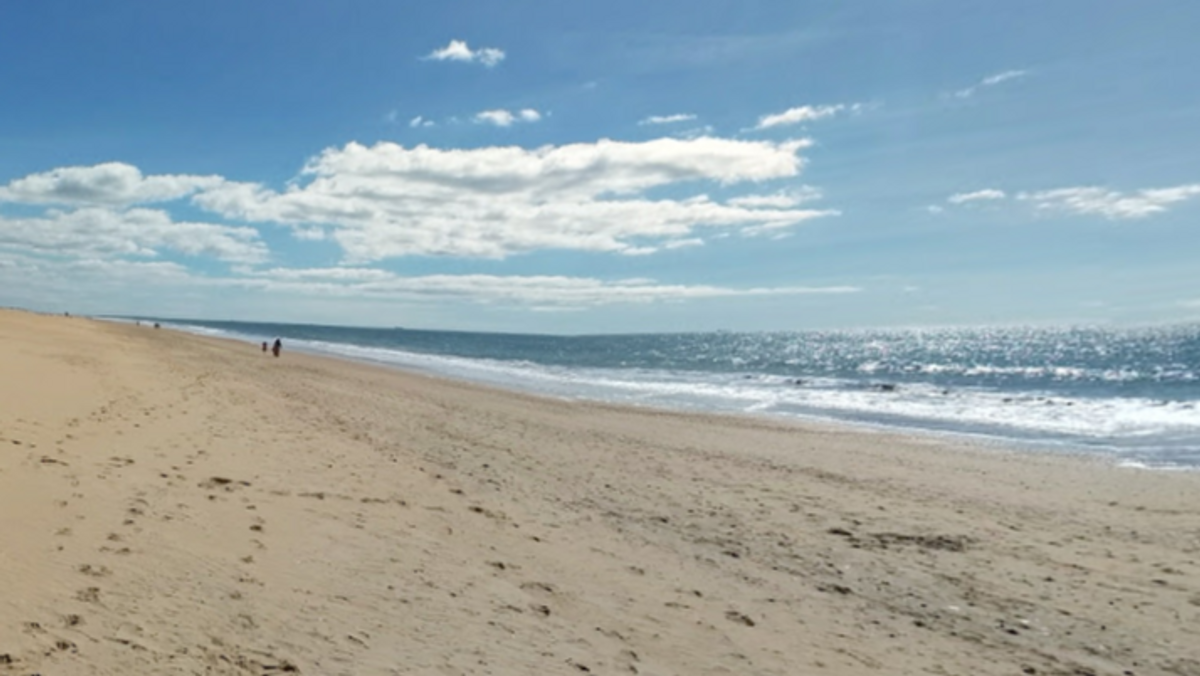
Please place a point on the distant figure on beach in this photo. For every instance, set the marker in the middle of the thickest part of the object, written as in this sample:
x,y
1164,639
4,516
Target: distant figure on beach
x,y
264,347
156,325
277,347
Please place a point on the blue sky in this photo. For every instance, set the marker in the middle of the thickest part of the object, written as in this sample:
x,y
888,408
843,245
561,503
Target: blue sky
x,y
594,167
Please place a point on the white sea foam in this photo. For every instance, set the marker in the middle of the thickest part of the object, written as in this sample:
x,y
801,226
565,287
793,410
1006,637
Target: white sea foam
x,y
1030,416
1139,430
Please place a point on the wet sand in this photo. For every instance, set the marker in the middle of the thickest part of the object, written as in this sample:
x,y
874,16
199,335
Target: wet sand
x,y
179,505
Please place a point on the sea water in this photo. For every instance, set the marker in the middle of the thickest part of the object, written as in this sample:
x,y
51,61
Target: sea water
x,y
1130,394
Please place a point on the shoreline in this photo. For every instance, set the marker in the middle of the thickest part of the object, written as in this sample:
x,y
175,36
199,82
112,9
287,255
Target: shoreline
x,y
982,441
172,503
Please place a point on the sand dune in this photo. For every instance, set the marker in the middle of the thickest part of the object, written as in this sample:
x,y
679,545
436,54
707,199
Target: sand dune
x,y
176,505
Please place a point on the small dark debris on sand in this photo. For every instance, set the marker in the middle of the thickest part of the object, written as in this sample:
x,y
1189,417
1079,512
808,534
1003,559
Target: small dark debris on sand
x,y
948,543
735,616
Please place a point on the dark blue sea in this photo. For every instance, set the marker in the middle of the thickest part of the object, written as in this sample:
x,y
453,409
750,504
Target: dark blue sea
x,y
1130,394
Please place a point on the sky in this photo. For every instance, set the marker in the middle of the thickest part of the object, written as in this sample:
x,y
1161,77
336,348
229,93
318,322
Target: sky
x,y
587,167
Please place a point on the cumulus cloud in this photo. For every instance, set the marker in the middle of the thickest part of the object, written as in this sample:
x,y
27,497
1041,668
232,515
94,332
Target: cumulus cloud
x,y
420,121
516,290
504,118
108,184
989,81
985,195
458,50
805,114
387,200
100,231
667,119
1111,204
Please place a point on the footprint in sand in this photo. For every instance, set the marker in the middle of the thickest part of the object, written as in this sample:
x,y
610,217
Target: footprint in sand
x,y
246,622
63,644
95,571
542,587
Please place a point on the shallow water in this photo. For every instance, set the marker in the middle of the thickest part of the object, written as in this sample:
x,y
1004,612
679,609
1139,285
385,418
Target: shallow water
x,y
1131,394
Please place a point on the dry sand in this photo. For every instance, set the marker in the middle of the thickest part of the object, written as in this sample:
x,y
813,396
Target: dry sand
x,y
176,505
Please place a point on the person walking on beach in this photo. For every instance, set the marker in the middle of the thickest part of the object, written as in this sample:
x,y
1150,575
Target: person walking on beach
x,y
275,349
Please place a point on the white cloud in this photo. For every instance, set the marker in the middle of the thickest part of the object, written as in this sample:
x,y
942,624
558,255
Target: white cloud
x,y
784,199
108,184
458,50
95,282
325,274
684,243
97,269
805,114
101,284
985,195
387,201
667,119
1110,203
1088,200
500,118
694,132
78,276
1002,77
543,291
504,118
990,81
98,231
420,121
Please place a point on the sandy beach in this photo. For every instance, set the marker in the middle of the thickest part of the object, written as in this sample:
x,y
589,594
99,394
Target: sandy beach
x,y
171,504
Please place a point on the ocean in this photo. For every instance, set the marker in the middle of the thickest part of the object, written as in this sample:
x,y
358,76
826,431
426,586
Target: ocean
x,y
1132,395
